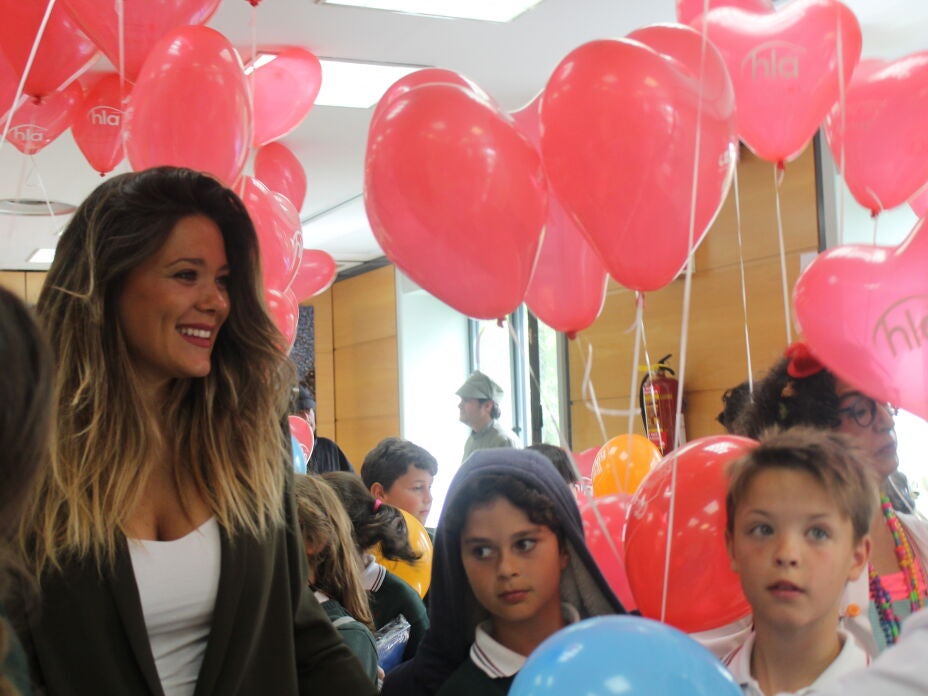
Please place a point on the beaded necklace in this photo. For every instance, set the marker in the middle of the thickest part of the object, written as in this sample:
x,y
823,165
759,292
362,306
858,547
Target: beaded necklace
x,y
911,572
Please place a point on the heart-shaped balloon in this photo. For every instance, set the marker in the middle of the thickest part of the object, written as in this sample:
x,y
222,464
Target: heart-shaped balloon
x,y
64,51
284,310
9,84
285,90
145,22
456,198
280,234
688,10
864,313
35,125
619,134
315,275
603,525
881,133
426,76
98,123
191,106
278,168
784,66
568,287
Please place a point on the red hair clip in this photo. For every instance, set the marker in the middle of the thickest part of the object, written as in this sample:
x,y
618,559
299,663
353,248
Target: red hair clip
x,y
801,361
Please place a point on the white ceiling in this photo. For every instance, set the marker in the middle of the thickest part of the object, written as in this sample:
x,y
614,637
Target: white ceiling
x,y
510,61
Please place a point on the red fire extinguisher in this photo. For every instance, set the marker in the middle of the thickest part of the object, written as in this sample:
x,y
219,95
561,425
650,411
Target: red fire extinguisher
x,y
657,397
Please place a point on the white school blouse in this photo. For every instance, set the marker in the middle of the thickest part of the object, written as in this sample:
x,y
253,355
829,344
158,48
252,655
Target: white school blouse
x,y
177,582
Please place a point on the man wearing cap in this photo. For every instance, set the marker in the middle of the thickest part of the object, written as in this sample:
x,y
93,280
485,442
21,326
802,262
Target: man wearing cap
x,y
479,407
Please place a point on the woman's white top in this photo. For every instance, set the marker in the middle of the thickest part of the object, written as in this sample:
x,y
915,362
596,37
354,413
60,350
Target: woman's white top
x,y
177,583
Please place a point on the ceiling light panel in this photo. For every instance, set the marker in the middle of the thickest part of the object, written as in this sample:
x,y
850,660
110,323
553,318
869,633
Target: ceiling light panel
x,y
483,10
355,84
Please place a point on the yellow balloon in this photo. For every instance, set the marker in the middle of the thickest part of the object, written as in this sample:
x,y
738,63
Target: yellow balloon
x,y
622,463
419,573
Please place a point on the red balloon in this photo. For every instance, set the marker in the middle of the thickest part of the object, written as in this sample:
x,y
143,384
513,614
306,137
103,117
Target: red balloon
x,y
881,133
603,532
285,312
703,591
146,22
280,234
784,66
278,168
426,76
64,51
315,275
584,461
303,433
919,203
9,84
568,286
626,174
456,198
98,123
35,125
191,107
285,90
864,313
688,10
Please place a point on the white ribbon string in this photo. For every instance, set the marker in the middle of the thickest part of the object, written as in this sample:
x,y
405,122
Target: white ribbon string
x,y
785,283
744,292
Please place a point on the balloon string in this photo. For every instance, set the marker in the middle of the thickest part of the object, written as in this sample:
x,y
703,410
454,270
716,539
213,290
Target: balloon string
x,y
744,293
121,27
782,244
45,197
588,392
253,25
22,80
632,393
842,103
876,220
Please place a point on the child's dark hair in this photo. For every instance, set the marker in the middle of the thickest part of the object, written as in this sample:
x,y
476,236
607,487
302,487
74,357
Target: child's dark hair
x,y
783,401
560,459
484,489
373,521
829,457
391,458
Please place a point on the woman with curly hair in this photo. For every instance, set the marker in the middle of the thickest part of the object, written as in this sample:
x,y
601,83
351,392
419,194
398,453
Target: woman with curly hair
x,y
163,537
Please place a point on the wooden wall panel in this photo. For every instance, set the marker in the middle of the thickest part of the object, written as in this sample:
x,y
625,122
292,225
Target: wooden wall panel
x,y
715,350
366,379
15,282
371,298
34,282
358,436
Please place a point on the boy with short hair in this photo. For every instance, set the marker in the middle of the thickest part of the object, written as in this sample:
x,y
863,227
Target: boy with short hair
x,y
400,473
799,510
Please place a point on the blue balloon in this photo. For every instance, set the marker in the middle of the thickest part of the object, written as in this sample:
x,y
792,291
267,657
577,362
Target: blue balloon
x,y
299,461
622,655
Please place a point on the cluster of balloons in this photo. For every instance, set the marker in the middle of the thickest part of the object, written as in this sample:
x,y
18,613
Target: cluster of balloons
x,y
181,97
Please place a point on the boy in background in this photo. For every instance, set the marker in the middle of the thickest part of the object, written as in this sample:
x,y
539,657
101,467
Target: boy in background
x,y
400,473
799,509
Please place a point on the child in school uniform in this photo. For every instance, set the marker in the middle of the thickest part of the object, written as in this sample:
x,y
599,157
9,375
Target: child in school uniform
x,y
799,510
510,568
400,473
375,522
335,567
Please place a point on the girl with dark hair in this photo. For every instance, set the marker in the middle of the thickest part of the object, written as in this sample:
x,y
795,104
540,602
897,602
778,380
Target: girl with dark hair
x,y
799,390
25,421
166,521
335,567
510,568
375,522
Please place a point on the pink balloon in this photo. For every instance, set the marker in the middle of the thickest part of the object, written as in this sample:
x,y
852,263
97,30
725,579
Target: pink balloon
x,y
584,461
8,87
881,133
98,123
300,429
604,539
35,125
426,76
568,286
285,90
784,66
280,235
190,106
315,275
146,22
864,313
64,51
919,203
279,169
688,10
624,173
456,198
285,311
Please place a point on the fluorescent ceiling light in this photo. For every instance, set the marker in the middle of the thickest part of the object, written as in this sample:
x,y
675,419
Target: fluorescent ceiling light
x,y
42,256
357,85
485,10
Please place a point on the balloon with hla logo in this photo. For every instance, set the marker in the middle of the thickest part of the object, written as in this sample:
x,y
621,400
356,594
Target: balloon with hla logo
x,y
98,123
36,124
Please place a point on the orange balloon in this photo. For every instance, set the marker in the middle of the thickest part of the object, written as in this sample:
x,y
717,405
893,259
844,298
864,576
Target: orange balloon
x,y
622,463
419,573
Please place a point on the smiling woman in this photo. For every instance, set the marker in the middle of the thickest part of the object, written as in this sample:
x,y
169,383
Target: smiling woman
x,y
168,495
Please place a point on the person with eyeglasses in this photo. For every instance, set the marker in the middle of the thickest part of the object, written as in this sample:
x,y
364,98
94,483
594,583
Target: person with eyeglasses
x,y
799,390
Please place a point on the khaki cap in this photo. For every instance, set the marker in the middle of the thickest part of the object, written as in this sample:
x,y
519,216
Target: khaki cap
x,y
479,386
